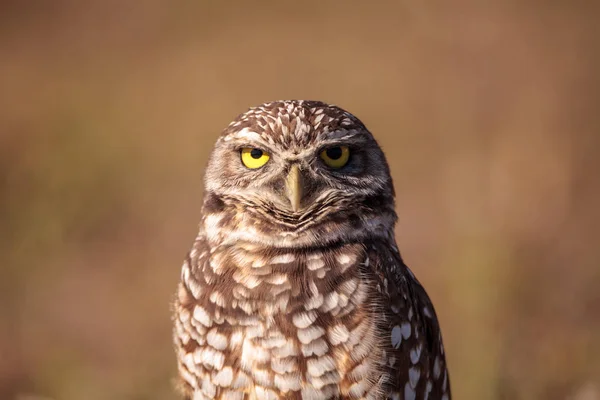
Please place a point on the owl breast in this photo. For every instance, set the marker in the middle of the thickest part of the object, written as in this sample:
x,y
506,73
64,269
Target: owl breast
x,y
265,324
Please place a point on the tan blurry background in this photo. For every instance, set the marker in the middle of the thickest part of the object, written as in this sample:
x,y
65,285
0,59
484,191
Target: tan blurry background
x,y
488,112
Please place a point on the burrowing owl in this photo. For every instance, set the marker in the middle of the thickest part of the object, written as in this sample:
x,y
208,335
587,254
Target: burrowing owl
x,y
294,287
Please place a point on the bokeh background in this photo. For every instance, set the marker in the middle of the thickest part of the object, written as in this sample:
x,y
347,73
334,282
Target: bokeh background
x,y
488,112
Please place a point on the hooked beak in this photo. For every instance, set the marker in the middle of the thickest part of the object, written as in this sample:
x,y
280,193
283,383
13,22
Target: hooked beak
x,y
293,187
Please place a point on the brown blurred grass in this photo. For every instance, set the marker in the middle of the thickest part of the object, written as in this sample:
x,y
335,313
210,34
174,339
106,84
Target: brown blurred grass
x,y
487,112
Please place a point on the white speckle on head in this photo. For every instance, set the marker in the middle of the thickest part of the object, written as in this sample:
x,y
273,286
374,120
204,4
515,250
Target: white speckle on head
x,y
343,258
396,336
258,263
415,353
410,313
406,330
445,396
284,128
413,376
321,273
409,392
283,259
224,377
276,279
304,319
315,264
202,316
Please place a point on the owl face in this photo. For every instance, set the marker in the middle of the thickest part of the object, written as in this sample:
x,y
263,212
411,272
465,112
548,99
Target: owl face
x,y
295,164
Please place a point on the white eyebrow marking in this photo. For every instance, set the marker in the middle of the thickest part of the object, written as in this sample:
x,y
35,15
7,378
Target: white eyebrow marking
x,y
247,134
341,134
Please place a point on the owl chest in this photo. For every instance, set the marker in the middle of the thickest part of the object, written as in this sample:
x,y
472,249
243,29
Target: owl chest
x,y
308,353
287,327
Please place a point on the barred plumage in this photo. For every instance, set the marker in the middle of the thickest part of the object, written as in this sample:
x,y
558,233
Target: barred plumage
x,y
294,287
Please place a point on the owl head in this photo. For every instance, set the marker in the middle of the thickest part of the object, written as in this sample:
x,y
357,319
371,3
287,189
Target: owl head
x,y
293,173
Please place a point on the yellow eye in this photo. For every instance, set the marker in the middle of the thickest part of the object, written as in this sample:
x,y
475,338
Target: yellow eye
x,y
254,158
336,157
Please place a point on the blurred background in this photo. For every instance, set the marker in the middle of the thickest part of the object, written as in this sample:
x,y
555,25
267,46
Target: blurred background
x,y
488,112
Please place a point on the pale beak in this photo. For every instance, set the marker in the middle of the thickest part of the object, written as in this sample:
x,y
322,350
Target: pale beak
x,y
293,187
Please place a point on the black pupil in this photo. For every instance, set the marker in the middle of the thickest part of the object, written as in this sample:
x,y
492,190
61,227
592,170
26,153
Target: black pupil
x,y
256,153
334,153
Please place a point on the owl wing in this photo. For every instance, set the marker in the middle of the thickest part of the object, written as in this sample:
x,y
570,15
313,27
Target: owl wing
x,y
415,358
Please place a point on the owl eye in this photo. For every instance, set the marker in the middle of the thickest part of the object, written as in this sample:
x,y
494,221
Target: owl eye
x,y
336,157
254,158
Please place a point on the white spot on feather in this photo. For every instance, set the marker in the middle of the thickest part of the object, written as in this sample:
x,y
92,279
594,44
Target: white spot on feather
x,y
413,376
437,368
309,334
319,366
406,330
304,319
409,392
202,316
317,347
428,389
396,336
427,312
283,259
338,334
216,339
224,377
415,353
288,382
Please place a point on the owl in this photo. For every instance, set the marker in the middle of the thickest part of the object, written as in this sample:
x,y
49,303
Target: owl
x,y
294,287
